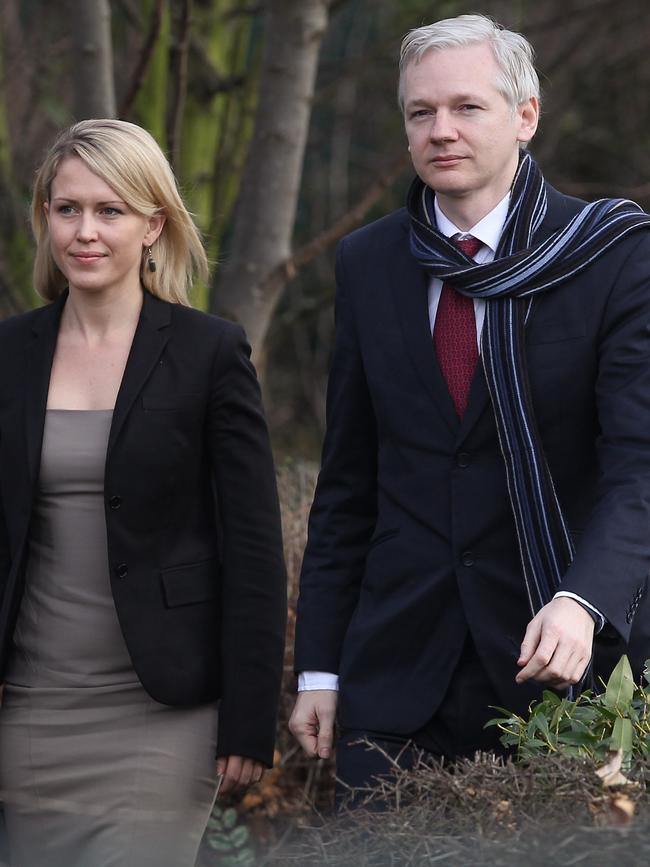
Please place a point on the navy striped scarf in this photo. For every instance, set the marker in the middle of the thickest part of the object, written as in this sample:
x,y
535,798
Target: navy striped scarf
x,y
509,283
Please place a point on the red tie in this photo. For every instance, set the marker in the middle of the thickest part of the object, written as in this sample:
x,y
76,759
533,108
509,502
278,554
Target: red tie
x,y
454,335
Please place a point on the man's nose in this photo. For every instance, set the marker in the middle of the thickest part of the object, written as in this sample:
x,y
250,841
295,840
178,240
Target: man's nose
x,y
442,128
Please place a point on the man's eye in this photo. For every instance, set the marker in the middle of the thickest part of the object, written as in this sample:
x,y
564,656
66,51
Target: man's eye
x,y
469,107
422,112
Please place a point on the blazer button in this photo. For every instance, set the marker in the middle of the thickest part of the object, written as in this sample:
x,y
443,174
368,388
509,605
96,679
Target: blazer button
x,y
467,558
463,460
121,570
115,502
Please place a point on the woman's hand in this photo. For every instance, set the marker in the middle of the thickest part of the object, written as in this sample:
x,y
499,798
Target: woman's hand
x,y
239,772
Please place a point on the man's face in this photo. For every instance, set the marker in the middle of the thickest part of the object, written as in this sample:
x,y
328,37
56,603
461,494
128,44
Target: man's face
x,y
463,135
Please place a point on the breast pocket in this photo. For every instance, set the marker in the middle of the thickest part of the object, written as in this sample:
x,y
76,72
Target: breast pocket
x,y
173,402
555,331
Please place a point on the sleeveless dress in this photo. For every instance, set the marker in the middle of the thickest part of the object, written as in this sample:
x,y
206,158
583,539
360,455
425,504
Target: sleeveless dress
x,y
93,772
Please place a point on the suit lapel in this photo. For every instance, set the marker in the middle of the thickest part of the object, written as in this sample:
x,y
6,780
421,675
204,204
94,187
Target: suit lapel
x,y
151,335
38,367
409,284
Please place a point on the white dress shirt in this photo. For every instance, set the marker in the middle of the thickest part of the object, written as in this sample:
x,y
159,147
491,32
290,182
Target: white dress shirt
x,y
488,232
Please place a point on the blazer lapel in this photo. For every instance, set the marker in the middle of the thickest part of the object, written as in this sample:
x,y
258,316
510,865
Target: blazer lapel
x,y
151,335
409,284
38,367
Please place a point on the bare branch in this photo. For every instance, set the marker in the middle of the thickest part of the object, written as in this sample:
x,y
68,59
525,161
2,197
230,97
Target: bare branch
x,y
287,270
142,66
179,83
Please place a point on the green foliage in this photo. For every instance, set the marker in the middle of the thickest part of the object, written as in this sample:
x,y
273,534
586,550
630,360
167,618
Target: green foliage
x,y
591,726
230,840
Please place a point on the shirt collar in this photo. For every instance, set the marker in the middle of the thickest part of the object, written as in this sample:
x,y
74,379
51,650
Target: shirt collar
x,y
487,231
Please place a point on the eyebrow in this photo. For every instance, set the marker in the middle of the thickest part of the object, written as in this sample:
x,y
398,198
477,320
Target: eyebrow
x,y
76,201
459,97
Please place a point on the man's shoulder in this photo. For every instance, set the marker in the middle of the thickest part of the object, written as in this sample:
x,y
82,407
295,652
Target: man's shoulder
x,y
561,208
384,230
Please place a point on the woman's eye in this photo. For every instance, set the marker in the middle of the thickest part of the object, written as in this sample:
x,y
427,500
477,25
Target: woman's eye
x,y
65,209
111,212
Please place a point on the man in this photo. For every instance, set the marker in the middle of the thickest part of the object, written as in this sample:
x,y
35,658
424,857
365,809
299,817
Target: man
x,y
483,508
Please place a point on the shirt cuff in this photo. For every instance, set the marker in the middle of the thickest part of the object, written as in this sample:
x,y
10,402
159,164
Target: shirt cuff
x,y
308,680
595,613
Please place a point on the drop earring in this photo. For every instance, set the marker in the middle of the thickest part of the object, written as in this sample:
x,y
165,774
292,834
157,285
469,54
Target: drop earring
x,y
151,262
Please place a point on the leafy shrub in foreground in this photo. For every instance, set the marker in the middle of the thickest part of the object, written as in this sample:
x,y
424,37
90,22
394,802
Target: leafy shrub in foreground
x,y
591,726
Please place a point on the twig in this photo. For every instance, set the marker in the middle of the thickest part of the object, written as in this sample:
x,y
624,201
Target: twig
x,y
144,60
287,270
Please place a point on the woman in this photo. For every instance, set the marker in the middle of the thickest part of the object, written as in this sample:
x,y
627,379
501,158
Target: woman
x,y
141,571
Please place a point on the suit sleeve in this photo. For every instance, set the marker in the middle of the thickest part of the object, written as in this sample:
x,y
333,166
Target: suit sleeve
x,y
344,511
611,566
253,574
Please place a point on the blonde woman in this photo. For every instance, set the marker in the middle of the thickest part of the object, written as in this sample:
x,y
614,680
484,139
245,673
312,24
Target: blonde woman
x,y
142,588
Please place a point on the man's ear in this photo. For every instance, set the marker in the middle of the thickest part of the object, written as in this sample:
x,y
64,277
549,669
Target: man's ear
x,y
528,113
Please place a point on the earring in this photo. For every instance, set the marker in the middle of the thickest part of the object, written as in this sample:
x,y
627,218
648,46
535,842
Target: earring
x,y
151,262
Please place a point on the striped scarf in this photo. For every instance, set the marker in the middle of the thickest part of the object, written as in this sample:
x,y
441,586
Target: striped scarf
x,y
509,283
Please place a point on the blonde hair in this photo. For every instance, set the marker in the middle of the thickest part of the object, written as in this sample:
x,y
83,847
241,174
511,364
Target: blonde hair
x,y
130,161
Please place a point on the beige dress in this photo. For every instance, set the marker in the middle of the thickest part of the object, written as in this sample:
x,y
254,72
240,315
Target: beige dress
x,y
93,772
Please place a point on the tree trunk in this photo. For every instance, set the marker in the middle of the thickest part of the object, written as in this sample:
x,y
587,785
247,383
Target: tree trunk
x,y
266,209
91,33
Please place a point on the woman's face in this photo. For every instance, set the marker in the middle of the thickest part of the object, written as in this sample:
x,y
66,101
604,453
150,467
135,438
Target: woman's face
x,y
95,238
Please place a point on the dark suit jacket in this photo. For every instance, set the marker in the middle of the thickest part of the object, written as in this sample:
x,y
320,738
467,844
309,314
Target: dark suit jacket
x,y
192,518
411,540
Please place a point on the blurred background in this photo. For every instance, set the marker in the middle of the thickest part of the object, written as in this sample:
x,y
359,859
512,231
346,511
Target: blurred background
x,y
281,122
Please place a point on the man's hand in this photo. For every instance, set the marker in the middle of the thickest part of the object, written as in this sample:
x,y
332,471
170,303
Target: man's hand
x,y
238,772
312,721
557,645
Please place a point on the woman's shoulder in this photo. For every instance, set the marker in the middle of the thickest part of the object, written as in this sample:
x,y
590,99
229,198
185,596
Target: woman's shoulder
x,y
190,323
20,325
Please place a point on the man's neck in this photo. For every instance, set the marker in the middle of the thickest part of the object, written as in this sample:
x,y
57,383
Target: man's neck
x,y
466,213
466,210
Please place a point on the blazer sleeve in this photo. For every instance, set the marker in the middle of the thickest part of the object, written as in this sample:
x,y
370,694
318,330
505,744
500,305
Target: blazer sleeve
x,y
252,570
344,511
610,569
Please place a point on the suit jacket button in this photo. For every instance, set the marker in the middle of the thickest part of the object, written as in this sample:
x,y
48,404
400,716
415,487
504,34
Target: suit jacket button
x,y
463,460
115,502
467,558
121,570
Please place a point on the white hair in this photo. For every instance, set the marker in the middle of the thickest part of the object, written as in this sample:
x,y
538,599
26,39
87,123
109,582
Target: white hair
x,y
517,80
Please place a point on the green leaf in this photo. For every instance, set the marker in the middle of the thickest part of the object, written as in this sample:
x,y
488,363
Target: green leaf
x,y
240,836
579,739
620,686
229,818
622,736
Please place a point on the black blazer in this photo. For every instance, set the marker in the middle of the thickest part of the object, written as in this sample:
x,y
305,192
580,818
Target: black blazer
x,y
192,517
412,541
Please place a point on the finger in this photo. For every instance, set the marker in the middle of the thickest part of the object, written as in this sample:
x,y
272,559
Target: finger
x,y
246,774
325,733
232,773
221,765
560,666
530,642
258,772
303,725
539,660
